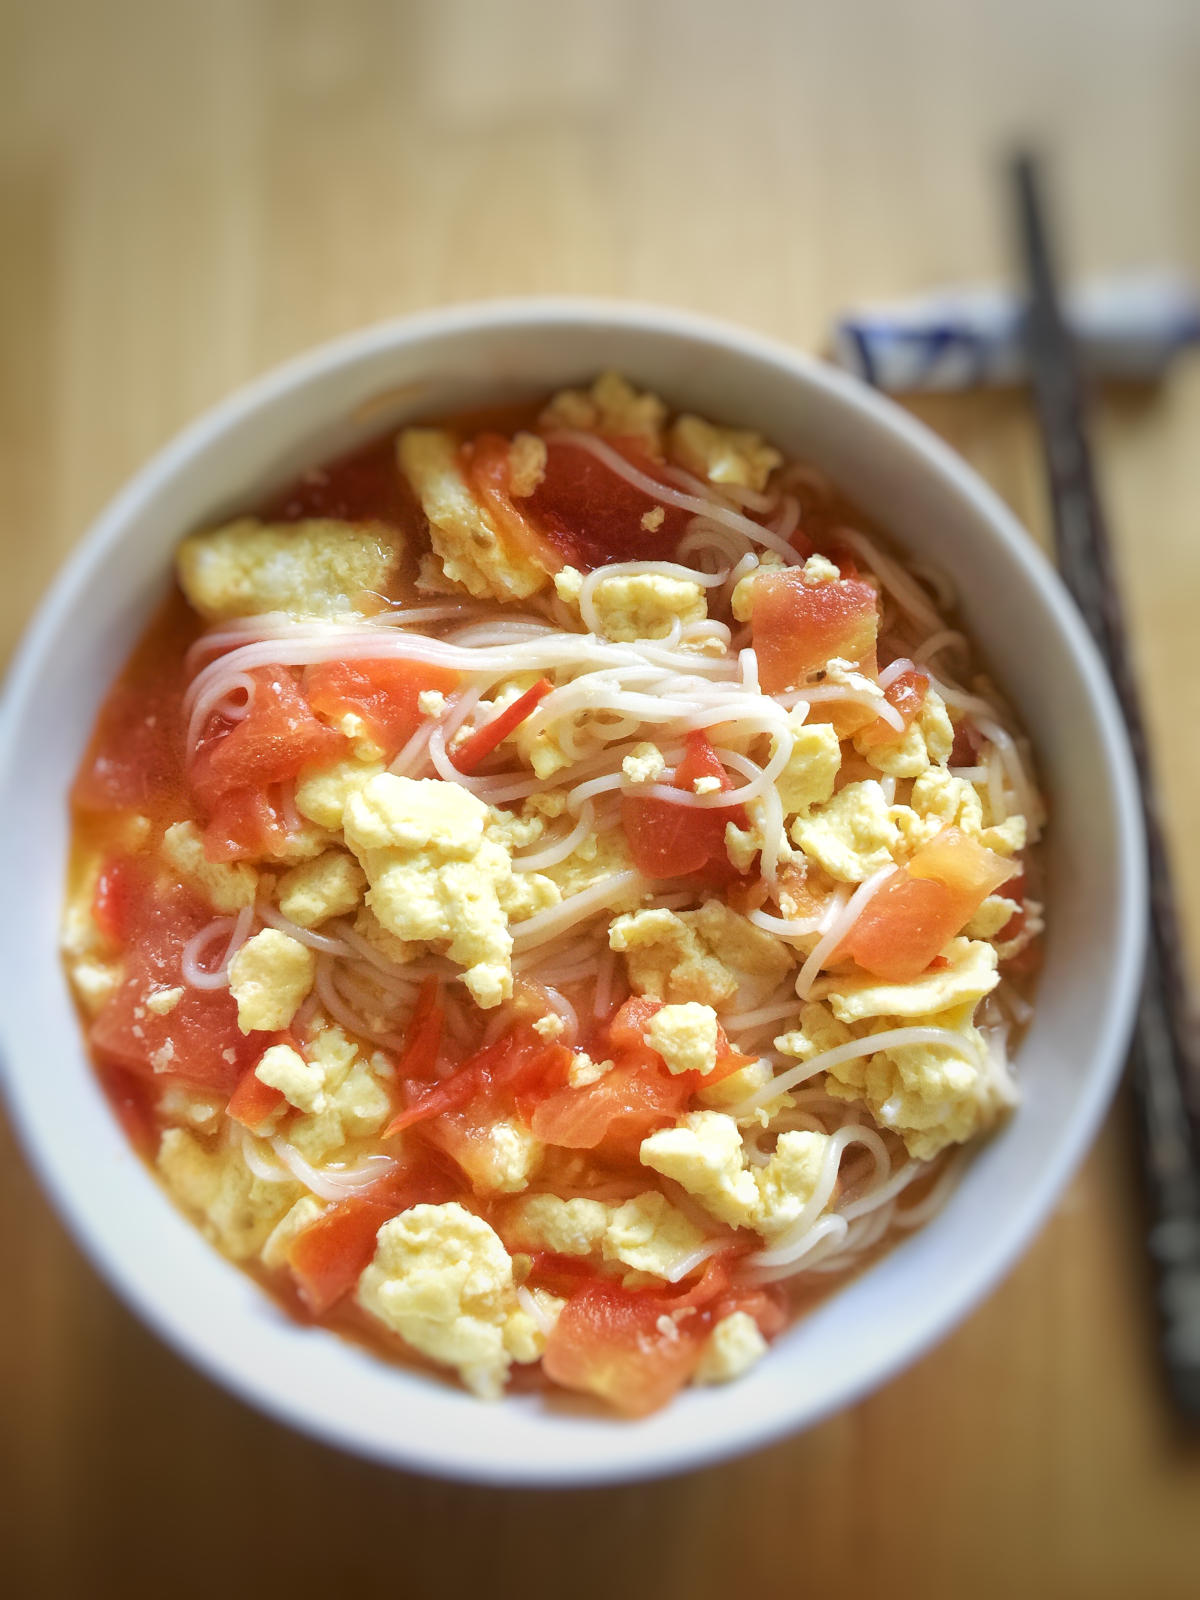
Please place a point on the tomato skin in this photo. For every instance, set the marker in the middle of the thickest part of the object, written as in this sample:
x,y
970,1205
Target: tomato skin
x,y
119,889
672,841
909,920
798,627
272,744
485,739
384,693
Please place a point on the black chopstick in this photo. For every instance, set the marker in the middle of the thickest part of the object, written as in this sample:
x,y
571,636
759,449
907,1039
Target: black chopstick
x,y
1165,1052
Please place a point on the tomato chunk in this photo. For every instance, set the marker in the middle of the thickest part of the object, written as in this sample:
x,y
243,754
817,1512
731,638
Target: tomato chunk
x,y
254,1102
328,1257
591,516
906,694
798,626
611,1342
620,1109
917,912
199,1040
668,840
273,743
247,823
384,694
516,1066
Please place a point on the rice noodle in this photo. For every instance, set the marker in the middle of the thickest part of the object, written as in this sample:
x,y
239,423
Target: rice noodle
x,y
235,931
889,1039
333,1183
836,930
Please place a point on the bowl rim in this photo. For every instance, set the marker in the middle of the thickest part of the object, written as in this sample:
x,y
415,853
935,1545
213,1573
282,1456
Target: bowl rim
x,y
447,1457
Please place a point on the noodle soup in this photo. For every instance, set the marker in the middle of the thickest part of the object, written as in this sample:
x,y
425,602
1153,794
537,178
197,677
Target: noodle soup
x,y
551,892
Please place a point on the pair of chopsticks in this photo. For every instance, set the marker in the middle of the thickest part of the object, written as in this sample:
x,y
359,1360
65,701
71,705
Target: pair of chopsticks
x,y
1165,1052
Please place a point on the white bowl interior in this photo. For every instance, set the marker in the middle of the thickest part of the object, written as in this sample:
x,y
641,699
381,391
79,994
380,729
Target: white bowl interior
x,y
1026,630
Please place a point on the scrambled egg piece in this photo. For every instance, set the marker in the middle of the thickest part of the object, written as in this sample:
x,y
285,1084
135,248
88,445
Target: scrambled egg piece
x,y
992,917
274,1253
226,885
270,977
96,973
645,605
851,837
673,957
436,875
667,959
645,763
322,792
180,1104
567,1227
940,800
812,767
648,1234
442,1280
471,550
330,886
613,406
926,742
506,1162
238,1209
356,1100
315,568
704,1153
685,1036
817,1030
722,455
970,975
932,1095
733,1347
300,1082
526,464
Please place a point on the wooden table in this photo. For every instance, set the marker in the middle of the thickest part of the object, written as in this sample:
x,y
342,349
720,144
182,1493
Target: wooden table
x,y
191,191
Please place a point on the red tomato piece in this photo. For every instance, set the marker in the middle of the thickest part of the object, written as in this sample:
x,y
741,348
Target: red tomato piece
x,y
627,1030
118,893
516,1066
906,693
272,744
383,693
136,757
199,1040
591,516
484,740
246,823
637,1096
424,1038
254,1102
328,1257
668,840
798,627
609,1342
905,925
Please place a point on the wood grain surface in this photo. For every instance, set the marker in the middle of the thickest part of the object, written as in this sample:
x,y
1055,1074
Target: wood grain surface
x,y
191,190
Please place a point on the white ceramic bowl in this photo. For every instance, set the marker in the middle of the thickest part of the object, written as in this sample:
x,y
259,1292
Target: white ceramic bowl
x,y
1025,626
